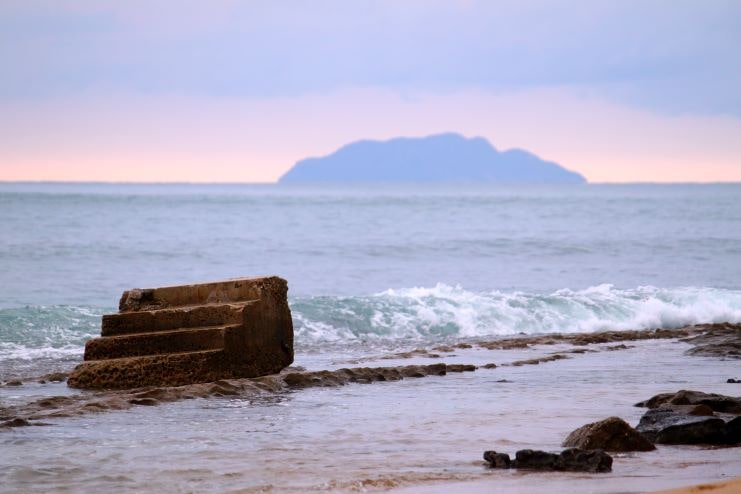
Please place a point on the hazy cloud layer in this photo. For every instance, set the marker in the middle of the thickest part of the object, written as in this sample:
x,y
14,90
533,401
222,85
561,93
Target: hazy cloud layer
x,y
667,56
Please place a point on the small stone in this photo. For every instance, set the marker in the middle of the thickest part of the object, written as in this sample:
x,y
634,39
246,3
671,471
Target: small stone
x,y
497,460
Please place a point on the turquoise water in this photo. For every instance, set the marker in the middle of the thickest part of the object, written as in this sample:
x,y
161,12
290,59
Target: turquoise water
x,y
385,262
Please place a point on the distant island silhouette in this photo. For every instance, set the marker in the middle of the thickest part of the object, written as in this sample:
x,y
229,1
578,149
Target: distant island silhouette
x,y
439,158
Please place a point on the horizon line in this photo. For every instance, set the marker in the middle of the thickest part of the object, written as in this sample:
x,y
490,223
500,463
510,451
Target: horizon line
x,y
105,182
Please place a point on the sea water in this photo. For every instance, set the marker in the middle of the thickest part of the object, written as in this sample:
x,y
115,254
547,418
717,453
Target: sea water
x,y
370,269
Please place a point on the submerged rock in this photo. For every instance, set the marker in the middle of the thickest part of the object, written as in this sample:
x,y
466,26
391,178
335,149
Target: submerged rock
x,y
16,422
611,434
188,334
569,460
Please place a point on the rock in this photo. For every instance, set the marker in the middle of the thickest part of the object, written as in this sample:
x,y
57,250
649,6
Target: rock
x,y
14,382
586,460
54,377
733,381
569,460
16,422
666,426
611,434
460,367
537,460
733,431
179,335
538,360
717,402
497,460
718,340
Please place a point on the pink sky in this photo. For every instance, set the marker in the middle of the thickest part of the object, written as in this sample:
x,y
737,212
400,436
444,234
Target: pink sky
x,y
187,139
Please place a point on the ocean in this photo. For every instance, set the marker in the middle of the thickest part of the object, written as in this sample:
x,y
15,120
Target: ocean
x,y
371,270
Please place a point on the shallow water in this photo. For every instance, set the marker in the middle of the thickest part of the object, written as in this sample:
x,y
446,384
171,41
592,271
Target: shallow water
x,y
414,432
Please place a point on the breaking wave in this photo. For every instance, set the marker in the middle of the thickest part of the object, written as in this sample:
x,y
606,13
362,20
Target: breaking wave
x,y
440,312
46,332
451,311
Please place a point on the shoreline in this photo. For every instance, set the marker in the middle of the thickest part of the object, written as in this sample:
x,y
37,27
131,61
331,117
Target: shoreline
x,y
296,377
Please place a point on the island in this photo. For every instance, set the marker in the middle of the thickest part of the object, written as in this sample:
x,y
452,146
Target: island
x,y
440,158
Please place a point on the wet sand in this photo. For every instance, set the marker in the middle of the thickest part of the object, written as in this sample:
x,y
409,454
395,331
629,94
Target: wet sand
x,y
725,487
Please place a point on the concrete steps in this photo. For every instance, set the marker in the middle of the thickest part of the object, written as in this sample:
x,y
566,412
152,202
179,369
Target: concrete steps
x,y
154,343
194,333
189,316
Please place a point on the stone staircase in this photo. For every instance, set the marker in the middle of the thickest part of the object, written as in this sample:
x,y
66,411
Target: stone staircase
x,y
178,335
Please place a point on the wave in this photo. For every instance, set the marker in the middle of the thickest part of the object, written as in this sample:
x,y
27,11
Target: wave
x,y
35,332
439,312
451,311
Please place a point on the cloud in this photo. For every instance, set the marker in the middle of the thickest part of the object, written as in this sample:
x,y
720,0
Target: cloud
x,y
669,56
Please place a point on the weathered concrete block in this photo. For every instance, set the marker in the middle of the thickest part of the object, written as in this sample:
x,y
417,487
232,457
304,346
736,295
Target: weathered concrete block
x,y
178,335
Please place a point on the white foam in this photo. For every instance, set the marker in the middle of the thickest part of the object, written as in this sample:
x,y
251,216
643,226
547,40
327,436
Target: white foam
x,y
445,310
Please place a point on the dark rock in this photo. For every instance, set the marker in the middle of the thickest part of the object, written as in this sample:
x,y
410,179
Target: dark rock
x,y
733,381
616,347
696,410
537,460
611,434
144,401
733,431
718,403
586,460
539,360
497,460
14,382
666,426
460,368
569,460
16,422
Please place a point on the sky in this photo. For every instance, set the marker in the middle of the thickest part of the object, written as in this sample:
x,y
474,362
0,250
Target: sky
x,y
238,91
